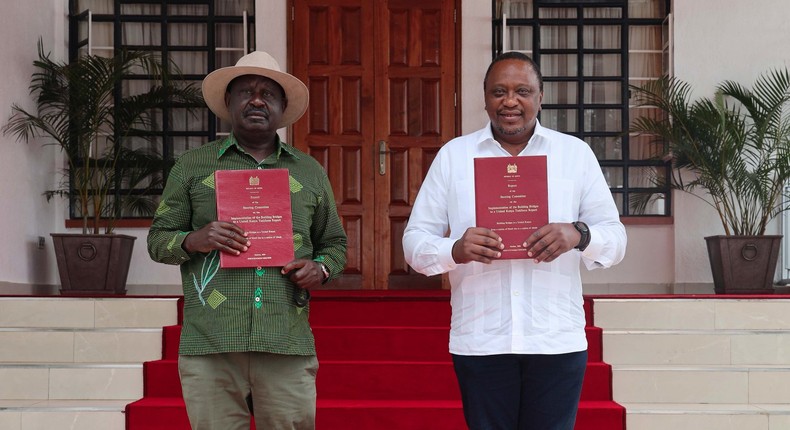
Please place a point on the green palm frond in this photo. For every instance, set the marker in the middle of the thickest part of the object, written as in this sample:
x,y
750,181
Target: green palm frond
x,y
77,109
736,144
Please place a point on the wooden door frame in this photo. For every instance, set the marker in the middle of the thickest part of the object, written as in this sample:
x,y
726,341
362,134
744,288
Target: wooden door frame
x,y
388,213
457,33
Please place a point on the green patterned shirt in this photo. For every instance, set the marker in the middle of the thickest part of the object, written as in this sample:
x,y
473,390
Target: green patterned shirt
x,y
220,312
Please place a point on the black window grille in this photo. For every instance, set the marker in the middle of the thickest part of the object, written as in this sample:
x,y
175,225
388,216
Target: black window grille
x,y
589,52
195,36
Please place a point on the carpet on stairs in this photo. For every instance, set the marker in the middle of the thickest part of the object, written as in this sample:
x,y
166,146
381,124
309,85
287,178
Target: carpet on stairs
x,y
384,365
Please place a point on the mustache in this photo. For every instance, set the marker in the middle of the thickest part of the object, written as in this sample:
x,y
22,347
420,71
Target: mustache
x,y
260,110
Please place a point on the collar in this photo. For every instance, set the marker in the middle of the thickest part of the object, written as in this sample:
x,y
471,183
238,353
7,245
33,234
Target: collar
x,y
486,136
279,147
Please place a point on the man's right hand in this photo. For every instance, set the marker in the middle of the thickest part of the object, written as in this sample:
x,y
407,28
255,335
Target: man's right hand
x,y
477,244
220,235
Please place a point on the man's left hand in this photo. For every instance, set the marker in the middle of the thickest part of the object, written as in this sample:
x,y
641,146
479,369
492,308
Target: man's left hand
x,y
306,274
551,241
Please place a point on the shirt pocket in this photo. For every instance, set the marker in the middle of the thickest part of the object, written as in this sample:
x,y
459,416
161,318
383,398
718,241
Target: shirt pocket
x,y
203,196
463,197
481,304
561,198
550,300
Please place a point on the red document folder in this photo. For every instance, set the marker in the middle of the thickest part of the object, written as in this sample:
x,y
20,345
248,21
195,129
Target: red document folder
x,y
258,201
512,199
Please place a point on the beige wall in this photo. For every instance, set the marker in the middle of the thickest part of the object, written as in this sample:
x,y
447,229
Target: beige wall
x,y
714,40
26,170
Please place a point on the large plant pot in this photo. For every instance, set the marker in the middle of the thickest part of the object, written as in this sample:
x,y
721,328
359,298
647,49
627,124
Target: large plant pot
x,y
743,264
93,264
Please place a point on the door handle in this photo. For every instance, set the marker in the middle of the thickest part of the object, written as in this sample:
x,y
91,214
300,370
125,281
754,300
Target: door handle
x,y
383,157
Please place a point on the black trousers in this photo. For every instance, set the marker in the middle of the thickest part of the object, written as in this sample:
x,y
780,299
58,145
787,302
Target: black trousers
x,y
520,392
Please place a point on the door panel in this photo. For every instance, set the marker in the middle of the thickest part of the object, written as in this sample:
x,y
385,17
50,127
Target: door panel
x,y
382,78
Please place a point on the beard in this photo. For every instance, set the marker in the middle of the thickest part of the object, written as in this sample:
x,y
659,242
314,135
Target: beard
x,y
509,132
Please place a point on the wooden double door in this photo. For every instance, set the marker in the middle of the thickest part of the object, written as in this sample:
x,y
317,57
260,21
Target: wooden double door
x,y
383,80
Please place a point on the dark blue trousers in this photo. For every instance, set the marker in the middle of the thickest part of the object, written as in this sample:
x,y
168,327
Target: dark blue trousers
x,y
520,392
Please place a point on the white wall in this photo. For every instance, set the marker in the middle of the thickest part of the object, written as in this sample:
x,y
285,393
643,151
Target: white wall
x,y
714,40
27,170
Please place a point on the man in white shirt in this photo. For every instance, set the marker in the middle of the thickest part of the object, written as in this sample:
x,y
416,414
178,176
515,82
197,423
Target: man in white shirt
x,y
517,332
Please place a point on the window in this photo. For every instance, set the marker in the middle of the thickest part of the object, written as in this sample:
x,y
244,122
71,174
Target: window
x,y
589,52
198,36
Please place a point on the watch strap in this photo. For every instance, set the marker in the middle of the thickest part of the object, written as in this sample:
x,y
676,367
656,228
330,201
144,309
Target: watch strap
x,y
325,271
584,230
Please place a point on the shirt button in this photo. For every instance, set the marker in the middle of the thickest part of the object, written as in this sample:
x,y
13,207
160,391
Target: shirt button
x,y
516,293
257,299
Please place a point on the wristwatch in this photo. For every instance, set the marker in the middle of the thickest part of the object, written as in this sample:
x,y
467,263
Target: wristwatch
x,y
324,270
585,232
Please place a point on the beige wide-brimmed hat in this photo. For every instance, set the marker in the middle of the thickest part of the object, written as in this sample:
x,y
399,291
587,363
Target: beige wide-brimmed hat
x,y
261,64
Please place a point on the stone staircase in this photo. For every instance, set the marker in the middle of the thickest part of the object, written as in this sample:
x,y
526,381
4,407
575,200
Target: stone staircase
x,y
699,363
74,363
679,363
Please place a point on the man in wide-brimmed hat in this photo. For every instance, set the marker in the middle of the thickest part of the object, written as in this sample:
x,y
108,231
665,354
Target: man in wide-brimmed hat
x,y
246,340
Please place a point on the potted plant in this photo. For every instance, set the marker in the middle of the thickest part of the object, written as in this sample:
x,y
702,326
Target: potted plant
x,y
81,109
736,147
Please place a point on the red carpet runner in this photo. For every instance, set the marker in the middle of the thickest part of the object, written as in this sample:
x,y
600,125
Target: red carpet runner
x,y
384,365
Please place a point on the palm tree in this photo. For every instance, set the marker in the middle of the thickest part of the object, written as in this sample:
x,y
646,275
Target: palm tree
x,y
80,108
736,144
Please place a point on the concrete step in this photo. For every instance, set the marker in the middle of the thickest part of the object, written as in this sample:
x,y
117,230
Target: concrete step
x,y
62,414
699,363
663,416
55,345
87,313
707,313
71,382
75,363
702,385
697,347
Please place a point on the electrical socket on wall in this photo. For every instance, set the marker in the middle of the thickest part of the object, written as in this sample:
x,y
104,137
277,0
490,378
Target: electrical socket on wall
x,y
41,242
